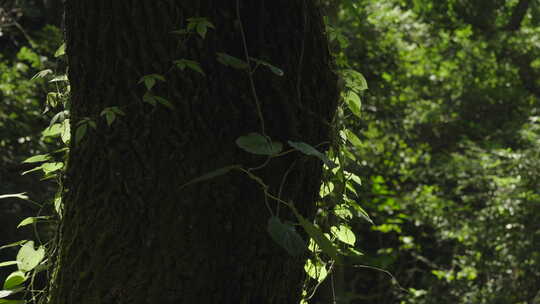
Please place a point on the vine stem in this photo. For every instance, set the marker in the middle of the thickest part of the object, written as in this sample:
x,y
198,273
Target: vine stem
x,y
250,71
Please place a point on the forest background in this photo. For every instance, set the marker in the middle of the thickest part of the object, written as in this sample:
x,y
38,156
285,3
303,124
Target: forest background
x,y
447,146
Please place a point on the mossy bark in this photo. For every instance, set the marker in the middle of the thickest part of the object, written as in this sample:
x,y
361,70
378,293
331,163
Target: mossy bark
x,y
130,233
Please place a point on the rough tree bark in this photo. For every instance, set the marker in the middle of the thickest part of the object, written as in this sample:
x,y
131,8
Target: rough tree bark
x,y
130,233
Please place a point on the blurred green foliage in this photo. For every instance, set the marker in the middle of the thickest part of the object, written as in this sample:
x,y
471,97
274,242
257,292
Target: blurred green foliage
x,y
448,149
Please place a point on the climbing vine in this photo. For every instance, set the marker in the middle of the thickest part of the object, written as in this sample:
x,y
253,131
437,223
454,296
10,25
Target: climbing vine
x,y
330,239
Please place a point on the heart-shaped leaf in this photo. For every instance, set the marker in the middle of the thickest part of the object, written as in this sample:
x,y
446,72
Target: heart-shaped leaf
x,y
286,236
258,144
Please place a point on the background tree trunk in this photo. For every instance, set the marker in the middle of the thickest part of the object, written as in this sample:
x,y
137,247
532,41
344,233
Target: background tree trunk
x,y
130,234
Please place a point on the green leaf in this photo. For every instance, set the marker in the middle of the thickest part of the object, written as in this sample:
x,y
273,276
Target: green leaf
x,y
258,144
360,211
318,236
286,236
59,78
14,279
354,80
326,189
164,102
52,167
8,263
210,175
149,98
352,138
53,99
344,234
66,131
271,67
193,65
51,131
343,212
42,74
21,195
316,271
80,132
29,257
232,61
10,292
60,51
353,102
31,170
200,25
13,244
37,158
30,220
311,151
150,80
4,301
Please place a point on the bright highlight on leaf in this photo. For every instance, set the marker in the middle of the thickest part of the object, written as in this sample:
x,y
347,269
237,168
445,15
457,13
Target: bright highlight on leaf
x,y
316,270
30,220
14,280
318,236
60,51
28,257
37,158
344,234
7,293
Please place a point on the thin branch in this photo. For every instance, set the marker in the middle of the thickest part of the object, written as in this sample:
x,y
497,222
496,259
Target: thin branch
x,y
520,10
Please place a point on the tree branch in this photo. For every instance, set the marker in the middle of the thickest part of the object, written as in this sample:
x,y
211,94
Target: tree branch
x,y
517,15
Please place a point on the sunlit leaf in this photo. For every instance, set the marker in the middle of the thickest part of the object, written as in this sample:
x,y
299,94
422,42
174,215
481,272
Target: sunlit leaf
x,y
10,292
8,263
21,195
37,158
66,131
14,244
318,236
14,279
60,51
52,167
29,257
42,74
54,130
316,271
344,234
59,78
30,220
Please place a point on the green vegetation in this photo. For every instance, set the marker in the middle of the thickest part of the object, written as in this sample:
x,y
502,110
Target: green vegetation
x,y
421,189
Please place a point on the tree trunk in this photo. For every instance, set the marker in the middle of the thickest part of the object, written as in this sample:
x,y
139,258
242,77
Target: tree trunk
x,y
130,233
